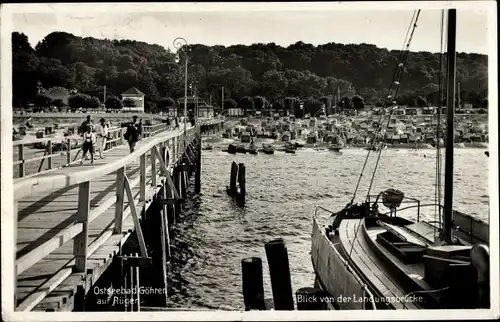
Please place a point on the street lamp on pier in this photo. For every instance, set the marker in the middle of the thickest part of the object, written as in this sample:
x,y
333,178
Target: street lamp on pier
x,y
180,42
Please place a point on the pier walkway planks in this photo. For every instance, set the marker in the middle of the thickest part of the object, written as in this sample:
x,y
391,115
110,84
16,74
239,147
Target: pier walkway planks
x,y
47,223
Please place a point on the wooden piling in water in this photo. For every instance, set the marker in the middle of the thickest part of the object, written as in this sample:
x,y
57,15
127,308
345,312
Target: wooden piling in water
x,y
253,284
242,183
311,299
232,180
277,258
197,178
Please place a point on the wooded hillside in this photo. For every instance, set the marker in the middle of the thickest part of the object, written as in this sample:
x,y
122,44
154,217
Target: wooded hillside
x,y
274,72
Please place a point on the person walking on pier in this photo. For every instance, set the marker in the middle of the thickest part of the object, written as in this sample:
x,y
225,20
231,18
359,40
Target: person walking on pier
x,y
89,140
82,127
101,133
139,129
132,133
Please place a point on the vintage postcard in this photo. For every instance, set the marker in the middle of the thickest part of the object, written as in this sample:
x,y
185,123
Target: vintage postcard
x,y
249,161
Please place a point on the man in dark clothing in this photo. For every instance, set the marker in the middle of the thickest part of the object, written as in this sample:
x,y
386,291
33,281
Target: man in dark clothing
x,y
132,133
87,122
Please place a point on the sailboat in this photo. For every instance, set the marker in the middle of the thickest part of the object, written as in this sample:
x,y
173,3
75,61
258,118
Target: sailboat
x,y
367,258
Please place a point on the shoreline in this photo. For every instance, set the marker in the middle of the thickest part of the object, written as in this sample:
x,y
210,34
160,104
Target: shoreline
x,y
403,146
410,146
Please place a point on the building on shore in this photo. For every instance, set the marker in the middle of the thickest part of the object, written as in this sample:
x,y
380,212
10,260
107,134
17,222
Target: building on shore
x,y
204,110
235,112
135,95
172,111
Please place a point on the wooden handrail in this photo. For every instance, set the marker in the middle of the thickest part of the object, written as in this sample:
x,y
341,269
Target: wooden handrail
x,y
114,139
24,187
146,128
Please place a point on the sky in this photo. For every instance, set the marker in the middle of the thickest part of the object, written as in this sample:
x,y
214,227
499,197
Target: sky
x,y
384,25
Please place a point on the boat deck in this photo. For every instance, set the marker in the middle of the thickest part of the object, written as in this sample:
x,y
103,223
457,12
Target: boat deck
x,y
369,264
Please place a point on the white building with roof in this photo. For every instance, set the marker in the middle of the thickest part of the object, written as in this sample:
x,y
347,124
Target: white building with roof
x,y
135,95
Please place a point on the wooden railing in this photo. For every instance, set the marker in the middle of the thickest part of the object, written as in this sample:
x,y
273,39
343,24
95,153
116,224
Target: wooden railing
x,y
151,163
68,150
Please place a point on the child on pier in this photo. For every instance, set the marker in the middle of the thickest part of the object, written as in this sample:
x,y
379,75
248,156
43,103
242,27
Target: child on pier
x,y
89,140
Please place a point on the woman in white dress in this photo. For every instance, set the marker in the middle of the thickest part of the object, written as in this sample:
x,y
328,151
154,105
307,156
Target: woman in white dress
x,y
101,133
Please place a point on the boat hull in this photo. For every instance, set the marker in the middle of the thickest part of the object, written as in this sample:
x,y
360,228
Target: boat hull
x,y
342,271
334,275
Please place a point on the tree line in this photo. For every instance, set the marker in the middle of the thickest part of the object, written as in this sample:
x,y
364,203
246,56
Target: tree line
x,y
253,77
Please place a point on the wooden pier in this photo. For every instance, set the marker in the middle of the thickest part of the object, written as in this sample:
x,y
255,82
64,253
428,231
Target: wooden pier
x,y
73,220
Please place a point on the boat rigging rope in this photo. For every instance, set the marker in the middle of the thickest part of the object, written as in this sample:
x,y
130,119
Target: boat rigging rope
x,y
401,69
390,98
397,75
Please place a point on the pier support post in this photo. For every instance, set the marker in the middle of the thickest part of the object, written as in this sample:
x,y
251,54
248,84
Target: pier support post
x,y
253,284
120,194
79,299
161,149
142,182
153,167
174,149
197,178
277,258
312,299
177,182
164,223
170,208
80,243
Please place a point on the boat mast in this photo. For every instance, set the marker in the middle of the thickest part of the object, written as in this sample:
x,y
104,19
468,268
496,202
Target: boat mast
x,y
450,111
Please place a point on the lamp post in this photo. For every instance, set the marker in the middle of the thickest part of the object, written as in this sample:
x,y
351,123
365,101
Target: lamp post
x,y
179,42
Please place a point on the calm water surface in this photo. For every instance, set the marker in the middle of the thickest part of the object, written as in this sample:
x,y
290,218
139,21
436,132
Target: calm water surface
x,y
214,235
